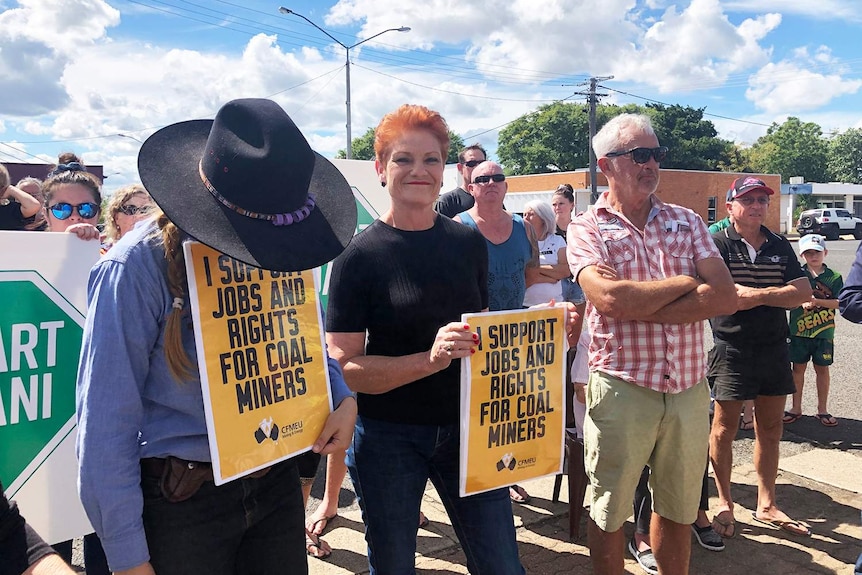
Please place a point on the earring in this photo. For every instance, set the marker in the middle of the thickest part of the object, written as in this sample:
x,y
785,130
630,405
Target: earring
x,y
382,183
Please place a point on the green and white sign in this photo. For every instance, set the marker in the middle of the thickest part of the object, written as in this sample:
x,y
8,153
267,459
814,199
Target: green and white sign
x,y
40,338
41,326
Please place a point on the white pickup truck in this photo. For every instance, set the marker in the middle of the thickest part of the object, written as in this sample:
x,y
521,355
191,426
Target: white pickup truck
x,y
831,222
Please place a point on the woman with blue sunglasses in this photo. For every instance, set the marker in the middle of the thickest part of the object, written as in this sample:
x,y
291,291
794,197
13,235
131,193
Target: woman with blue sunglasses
x,y
73,203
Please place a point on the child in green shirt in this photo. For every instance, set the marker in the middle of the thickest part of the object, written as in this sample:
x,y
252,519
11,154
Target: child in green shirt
x,y
812,328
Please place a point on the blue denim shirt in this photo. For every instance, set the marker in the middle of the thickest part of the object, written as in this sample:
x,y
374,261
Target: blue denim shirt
x,y
129,406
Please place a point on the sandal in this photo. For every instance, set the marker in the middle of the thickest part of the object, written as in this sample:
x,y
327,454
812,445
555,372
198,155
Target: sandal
x,y
423,521
746,425
827,419
518,494
790,417
726,527
315,525
790,526
316,547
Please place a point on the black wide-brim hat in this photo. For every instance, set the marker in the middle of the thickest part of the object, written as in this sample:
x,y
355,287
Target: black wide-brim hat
x,y
241,185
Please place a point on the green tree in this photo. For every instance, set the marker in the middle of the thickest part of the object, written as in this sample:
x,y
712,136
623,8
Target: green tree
x,y
737,160
555,137
694,143
363,147
844,157
791,149
550,139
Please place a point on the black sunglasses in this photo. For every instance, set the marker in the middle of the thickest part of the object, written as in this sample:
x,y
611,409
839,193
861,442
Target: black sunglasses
x,y
472,163
131,210
642,155
63,210
492,177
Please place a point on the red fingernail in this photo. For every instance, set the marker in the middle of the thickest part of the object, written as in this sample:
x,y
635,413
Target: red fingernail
x,y
466,326
475,337
472,350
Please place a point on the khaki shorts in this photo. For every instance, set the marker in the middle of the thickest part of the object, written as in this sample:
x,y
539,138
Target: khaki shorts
x,y
627,427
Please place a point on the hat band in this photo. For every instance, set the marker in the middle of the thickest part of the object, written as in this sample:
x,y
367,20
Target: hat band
x,y
285,219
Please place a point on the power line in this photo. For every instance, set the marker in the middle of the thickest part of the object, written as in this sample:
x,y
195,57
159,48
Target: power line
x,y
704,113
432,88
154,128
25,152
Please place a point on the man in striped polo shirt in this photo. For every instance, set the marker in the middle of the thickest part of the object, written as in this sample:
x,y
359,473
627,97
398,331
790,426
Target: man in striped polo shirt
x,y
751,358
647,400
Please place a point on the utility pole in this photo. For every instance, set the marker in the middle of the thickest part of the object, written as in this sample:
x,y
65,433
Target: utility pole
x,y
592,99
349,151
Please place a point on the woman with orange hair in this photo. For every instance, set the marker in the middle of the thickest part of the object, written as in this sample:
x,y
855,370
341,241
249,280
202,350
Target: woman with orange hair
x,y
397,295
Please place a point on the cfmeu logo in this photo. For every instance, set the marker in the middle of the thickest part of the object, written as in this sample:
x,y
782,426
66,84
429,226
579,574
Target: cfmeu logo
x,y
506,462
266,429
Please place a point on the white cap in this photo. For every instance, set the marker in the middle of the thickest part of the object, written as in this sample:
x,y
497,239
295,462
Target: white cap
x,y
812,242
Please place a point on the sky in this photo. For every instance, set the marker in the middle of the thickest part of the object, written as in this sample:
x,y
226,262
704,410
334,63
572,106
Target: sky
x,y
99,76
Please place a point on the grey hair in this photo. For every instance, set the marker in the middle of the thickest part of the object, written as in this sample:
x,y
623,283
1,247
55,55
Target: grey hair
x,y
545,212
608,138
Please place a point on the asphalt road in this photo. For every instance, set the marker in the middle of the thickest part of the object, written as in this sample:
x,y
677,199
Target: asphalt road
x,y
845,400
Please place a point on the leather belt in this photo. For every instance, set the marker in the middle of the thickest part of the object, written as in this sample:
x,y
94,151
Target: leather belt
x,y
155,467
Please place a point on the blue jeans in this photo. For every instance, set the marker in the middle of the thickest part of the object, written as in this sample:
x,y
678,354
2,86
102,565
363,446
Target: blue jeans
x,y
242,527
858,569
390,463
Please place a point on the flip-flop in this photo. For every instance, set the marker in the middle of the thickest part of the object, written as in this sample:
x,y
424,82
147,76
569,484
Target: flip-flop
x,y
827,419
518,494
790,417
725,525
325,520
746,425
423,520
792,526
314,546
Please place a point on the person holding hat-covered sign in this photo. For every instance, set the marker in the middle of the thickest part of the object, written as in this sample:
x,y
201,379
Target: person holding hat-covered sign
x,y
247,185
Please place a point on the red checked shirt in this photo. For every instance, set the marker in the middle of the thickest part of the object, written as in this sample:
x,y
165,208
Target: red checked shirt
x,y
668,358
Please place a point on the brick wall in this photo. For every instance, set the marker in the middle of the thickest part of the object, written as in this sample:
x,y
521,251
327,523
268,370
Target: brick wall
x,y
691,189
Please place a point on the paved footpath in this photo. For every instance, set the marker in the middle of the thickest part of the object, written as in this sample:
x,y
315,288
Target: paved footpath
x,y
820,486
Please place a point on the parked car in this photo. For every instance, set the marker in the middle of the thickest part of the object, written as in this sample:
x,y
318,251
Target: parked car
x,y
832,223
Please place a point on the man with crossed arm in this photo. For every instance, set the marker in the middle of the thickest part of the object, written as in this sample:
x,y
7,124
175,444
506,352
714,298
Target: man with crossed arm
x,y
647,399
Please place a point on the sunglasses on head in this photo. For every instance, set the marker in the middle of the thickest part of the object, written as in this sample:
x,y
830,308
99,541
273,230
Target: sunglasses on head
x,y
63,210
131,210
472,163
642,155
489,178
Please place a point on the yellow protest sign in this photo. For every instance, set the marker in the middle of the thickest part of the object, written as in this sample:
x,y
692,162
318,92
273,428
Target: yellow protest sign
x,y
512,399
261,356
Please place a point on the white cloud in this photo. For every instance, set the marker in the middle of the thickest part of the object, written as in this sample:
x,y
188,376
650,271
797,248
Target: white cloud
x,y
79,74
820,10
805,82
695,49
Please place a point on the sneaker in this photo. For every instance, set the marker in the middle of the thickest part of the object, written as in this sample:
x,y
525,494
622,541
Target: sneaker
x,y
707,538
644,558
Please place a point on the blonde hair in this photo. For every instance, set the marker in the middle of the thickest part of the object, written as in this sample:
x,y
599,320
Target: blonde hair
x,y
118,198
179,363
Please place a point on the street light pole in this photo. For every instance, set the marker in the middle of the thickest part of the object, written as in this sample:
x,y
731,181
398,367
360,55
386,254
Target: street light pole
x,y
129,137
347,49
